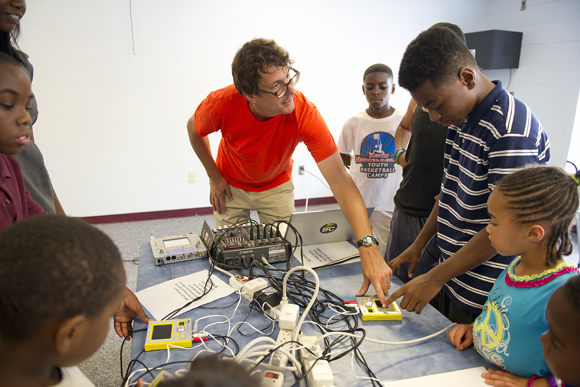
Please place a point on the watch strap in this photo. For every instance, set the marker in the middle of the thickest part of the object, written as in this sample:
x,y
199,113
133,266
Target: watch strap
x,y
374,241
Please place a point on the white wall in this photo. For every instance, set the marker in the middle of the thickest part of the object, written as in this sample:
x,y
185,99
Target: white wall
x,y
112,122
548,79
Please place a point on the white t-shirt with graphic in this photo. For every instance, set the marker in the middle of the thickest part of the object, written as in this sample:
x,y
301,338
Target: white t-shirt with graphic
x,y
373,167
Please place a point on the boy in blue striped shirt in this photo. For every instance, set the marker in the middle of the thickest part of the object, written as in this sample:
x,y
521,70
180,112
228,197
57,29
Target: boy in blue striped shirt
x,y
491,134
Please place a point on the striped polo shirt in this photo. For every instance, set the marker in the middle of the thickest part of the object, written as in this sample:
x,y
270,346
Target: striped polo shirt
x,y
498,137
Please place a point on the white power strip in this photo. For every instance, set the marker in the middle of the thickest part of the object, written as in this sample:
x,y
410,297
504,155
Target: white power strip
x,y
248,288
272,378
318,373
278,358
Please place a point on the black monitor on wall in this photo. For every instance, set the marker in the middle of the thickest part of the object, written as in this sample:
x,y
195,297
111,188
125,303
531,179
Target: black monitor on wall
x,y
496,49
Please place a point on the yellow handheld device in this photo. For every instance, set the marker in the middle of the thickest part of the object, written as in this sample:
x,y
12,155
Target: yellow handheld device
x,y
175,332
372,310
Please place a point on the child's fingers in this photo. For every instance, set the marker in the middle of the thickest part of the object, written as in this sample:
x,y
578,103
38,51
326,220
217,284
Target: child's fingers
x,y
453,337
500,378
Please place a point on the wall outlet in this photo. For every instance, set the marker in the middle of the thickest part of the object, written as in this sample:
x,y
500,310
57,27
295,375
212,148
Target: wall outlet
x,y
191,176
301,169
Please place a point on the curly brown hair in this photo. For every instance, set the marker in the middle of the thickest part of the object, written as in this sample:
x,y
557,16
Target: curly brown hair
x,y
253,60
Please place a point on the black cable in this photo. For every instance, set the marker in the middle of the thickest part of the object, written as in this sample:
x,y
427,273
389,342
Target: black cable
x,y
305,373
274,350
226,339
130,368
122,344
205,292
254,332
219,307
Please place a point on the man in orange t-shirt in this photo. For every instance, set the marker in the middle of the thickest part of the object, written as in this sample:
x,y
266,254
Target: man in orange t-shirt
x,y
262,118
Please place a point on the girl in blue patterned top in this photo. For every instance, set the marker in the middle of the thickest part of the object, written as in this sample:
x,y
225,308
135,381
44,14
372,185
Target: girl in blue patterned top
x,y
531,211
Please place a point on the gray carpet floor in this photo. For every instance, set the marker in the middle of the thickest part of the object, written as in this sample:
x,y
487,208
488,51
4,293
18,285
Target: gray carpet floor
x,y
103,368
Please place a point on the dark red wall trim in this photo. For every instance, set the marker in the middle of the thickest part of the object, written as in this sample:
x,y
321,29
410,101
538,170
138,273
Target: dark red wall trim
x,y
186,212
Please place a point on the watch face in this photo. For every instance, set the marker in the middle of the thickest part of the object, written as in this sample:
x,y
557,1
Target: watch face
x,y
367,240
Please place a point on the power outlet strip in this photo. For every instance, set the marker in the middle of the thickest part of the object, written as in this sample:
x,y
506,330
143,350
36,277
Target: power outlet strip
x,y
321,374
310,343
238,281
271,378
278,358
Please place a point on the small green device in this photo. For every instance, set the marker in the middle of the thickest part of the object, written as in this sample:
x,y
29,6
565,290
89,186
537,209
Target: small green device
x,y
162,333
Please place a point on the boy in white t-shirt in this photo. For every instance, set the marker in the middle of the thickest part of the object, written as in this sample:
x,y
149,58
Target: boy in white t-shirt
x,y
370,134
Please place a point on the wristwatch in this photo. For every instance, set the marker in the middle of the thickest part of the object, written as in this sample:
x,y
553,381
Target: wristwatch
x,y
368,241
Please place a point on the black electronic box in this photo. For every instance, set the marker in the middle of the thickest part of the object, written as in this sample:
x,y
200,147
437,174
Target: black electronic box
x,y
237,246
495,49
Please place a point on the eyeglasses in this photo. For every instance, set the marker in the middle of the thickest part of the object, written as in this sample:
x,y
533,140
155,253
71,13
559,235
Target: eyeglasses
x,y
279,92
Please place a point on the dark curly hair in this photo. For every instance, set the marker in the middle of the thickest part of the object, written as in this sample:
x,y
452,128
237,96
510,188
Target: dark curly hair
x,y
53,267
253,60
572,288
453,27
378,68
6,58
8,43
210,371
437,55
540,193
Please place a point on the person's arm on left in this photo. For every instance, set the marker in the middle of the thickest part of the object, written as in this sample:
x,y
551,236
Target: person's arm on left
x,y
57,205
374,268
124,316
403,132
420,290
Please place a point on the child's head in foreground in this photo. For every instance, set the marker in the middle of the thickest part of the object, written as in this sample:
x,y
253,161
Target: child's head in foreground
x,y
441,74
15,101
210,371
61,280
537,202
562,341
378,85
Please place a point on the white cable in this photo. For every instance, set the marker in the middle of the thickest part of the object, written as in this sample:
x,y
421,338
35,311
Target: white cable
x,y
222,270
273,367
266,314
385,342
362,377
228,320
173,346
130,376
271,347
255,341
181,373
312,300
411,341
327,187
307,193
339,313
254,328
265,261
225,346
